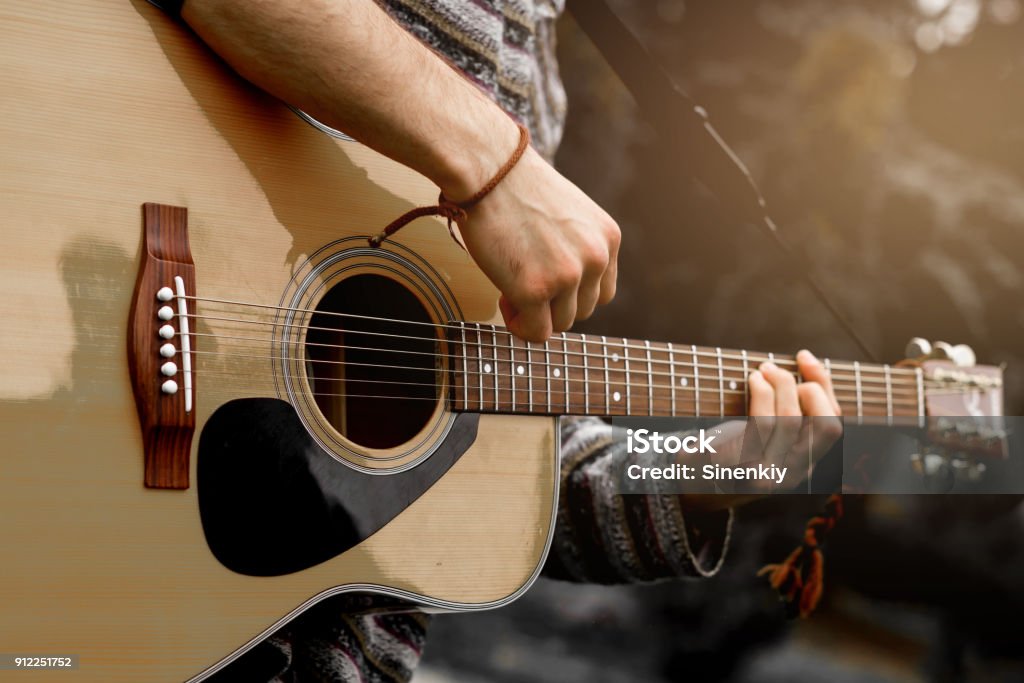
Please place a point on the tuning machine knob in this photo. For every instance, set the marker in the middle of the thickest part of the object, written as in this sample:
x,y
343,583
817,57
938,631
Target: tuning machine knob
x,y
918,347
961,355
964,356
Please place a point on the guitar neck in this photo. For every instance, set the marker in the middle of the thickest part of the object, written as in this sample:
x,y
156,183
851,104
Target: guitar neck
x,y
579,374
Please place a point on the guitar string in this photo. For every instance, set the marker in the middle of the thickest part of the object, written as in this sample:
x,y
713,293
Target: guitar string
x,y
711,393
711,397
898,388
507,404
839,388
470,327
895,382
704,400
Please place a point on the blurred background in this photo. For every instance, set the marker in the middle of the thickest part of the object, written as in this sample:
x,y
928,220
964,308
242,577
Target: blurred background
x,y
888,138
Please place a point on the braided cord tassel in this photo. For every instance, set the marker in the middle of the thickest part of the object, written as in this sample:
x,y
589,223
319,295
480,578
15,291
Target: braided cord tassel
x,y
800,578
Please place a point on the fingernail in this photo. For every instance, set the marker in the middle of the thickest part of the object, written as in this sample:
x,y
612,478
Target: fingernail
x,y
810,356
767,365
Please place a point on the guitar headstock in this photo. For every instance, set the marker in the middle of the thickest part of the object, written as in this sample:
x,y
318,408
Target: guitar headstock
x,y
963,403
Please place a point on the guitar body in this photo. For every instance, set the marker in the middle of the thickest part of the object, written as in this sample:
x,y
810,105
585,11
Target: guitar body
x,y
108,106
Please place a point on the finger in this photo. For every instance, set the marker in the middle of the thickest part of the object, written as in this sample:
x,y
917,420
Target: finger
x,y
814,400
762,406
563,310
762,396
609,279
812,370
587,296
786,401
824,429
532,323
786,424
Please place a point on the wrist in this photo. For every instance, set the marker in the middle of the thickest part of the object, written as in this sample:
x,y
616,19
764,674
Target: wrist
x,y
467,166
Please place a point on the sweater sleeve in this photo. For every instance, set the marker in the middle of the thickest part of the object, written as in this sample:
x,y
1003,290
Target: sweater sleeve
x,y
605,537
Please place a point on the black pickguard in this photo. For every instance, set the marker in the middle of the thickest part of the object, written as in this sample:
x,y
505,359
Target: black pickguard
x,y
273,502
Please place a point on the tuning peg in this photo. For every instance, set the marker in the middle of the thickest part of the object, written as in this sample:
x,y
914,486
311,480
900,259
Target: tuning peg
x,y
963,356
918,347
942,350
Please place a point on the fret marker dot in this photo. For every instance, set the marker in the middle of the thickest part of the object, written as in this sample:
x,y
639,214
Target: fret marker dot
x,y
732,384
683,382
519,370
487,367
616,396
615,358
557,372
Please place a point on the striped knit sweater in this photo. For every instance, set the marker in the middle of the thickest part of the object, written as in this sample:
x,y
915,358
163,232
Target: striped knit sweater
x,y
507,48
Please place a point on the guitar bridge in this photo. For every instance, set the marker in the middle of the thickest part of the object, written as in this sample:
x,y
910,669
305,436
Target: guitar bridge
x,y
161,346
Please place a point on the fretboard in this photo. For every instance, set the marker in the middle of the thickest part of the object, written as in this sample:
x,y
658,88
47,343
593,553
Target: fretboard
x,y
579,374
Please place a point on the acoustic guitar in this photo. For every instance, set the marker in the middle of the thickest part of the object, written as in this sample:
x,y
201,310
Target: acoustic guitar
x,y
219,405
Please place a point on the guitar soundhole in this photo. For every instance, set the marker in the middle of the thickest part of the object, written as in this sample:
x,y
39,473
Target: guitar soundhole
x,y
372,361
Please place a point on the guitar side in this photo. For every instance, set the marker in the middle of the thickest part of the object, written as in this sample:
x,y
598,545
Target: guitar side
x,y
107,106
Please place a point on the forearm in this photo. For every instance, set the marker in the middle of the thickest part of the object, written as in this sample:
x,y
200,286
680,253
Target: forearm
x,y
348,64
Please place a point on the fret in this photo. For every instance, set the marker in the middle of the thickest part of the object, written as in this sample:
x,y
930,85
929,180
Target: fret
x,y
547,374
479,366
465,367
512,368
721,382
494,355
607,386
696,380
625,358
920,397
746,380
565,362
586,377
529,378
860,402
672,376
888,394
650,380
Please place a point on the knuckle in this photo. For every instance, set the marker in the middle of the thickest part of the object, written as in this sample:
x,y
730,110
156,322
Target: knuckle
x,y
596,256
612,232
567,276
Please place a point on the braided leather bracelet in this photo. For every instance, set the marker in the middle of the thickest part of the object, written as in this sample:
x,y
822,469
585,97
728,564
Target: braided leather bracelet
x,y
456,211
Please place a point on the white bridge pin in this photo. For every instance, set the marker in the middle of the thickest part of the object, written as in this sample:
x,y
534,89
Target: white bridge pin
x,y
169,387
168,350
167,332
165,313
169,369
164,294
